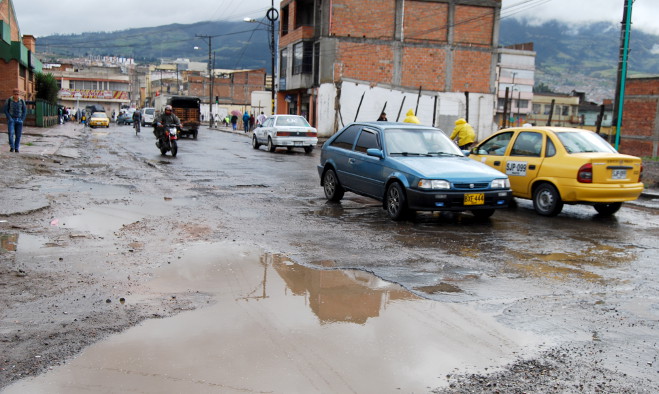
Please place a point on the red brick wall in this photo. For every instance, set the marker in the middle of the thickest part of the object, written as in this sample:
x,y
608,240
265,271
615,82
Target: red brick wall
x,y
366,62
472,68
639,119
426,21
364,18
424,67
474,25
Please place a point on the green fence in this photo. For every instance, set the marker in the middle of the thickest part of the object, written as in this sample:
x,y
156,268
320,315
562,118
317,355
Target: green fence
x,y
45,113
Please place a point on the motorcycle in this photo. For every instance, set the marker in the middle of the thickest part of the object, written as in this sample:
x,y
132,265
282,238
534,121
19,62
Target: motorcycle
x,y
167,140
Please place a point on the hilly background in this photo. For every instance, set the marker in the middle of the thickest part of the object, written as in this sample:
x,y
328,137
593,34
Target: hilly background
x,y
569,57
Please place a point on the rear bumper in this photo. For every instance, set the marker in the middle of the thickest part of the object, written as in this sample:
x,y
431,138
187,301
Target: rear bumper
x,y
438,200
295,141
603,193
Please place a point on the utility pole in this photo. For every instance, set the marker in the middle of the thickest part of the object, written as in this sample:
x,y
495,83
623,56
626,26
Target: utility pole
x,y
622,69
210,76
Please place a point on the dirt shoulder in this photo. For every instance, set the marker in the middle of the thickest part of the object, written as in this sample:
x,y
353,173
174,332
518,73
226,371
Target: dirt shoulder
x,y
62,289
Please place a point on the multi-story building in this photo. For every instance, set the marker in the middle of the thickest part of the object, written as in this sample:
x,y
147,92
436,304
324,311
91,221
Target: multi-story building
x,y
18,61
343,60
516,74
81,86
562,108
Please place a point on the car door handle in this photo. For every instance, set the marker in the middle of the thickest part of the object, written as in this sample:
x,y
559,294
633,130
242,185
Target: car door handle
x,y
532,167
497,163
351,161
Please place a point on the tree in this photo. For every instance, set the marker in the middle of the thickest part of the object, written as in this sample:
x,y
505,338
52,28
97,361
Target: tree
x,y
47,87
542,88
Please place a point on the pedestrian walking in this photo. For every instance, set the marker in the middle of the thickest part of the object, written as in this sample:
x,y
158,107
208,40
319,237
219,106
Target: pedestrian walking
x,y
411,118
464,133
252,120
15,110
260,119
246,121
234,121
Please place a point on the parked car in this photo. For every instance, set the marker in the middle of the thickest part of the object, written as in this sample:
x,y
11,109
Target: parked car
x,y
554,166
99,119
409,167
290,131
148,115
125,118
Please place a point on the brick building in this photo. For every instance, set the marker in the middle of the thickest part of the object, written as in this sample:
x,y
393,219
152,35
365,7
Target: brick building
x,y
347,59
640,121
18,62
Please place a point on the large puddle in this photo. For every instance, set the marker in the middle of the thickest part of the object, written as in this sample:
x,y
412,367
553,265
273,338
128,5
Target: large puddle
x,y
279,327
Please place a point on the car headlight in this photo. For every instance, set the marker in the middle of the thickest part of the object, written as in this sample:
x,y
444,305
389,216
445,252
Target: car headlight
x,y
501,184
433,184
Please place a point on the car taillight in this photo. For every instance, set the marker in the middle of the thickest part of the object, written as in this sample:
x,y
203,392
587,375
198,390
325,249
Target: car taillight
x,y
311,133
283,134
585,174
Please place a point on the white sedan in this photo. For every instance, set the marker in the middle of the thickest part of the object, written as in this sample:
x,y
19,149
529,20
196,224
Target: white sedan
x,y
289,131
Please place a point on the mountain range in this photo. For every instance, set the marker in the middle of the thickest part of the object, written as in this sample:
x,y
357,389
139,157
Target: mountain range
x,y
569,57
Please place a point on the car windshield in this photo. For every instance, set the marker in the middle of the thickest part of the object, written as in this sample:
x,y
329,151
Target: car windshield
x,y
98,115
584,141
291,121
149,111
419,142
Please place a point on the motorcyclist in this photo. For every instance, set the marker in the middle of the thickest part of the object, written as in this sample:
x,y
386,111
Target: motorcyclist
x,y
165,118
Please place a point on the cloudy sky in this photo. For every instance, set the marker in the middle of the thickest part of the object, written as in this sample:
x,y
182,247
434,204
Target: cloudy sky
x,y
46,17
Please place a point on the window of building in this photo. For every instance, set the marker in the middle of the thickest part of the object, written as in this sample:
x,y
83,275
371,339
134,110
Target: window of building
x,y
566,111
284,20
547,109
304,13
283,62
303,58
536,108
523,103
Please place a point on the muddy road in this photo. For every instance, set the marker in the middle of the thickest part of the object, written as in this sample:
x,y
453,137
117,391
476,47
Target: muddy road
x,y
233,271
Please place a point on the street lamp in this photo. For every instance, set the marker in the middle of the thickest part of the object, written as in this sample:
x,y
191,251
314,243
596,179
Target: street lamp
x,y
272,15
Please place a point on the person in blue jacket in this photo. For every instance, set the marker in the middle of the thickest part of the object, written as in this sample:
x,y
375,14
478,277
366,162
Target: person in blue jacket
x,y
246,121
15,111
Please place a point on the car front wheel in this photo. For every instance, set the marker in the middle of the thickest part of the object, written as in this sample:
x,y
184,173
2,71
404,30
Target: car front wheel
x,y
255,142
607,209
547,201
333,189
396,202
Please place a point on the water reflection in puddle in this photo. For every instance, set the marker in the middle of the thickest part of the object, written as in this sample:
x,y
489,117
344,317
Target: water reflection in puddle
x,y
281,327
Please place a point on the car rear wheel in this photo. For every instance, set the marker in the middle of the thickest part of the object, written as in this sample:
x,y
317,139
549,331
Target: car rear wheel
x,y
308,149
255,143
547,201
483,213
607,209
333,189
396,202
271,147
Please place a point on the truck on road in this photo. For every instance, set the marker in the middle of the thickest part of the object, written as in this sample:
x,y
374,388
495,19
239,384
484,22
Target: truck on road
x,y
186,108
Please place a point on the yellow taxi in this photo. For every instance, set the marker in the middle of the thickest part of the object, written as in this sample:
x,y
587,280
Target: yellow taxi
x,y
99,119
557,165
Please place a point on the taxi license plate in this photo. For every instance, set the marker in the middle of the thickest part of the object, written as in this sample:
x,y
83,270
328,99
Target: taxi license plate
x,y
298,142
474,199
619,174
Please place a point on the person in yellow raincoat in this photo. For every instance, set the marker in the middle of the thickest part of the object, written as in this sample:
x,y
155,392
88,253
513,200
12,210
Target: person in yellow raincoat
x,y
410,118
465,134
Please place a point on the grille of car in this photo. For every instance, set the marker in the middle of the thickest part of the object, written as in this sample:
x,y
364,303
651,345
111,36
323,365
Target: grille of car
x,y
471,186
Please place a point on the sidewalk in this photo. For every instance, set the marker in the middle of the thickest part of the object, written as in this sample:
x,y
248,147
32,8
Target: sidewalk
x,y
44,141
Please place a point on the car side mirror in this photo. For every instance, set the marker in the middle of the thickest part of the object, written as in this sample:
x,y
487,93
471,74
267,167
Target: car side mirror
x,y
466,152
375,153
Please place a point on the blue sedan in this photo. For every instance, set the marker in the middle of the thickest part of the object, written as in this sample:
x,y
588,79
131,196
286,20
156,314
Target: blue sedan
x,y
409,168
